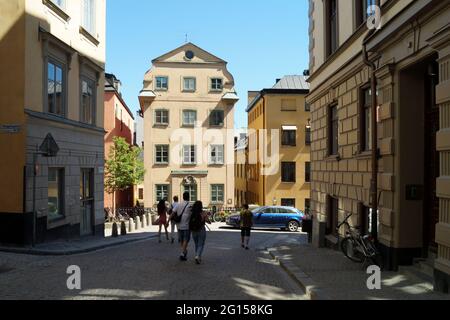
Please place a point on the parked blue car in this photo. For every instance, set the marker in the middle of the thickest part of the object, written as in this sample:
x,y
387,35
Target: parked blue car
x,y
272,218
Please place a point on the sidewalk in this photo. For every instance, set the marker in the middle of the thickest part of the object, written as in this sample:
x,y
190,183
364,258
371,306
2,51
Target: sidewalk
x,y
327,274
88,244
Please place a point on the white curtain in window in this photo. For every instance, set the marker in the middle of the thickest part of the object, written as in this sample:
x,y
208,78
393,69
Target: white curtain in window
x,y
89,15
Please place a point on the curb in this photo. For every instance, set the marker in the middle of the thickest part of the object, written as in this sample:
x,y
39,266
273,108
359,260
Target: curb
x,y
312,290
55,253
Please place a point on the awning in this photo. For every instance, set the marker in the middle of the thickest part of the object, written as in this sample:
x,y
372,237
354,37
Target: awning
x,y
290,128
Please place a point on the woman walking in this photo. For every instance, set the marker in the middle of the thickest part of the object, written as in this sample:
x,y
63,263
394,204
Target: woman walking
x,y
162,213
199,218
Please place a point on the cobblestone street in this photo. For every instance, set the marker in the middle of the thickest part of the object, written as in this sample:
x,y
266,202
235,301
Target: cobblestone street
x,y
149,270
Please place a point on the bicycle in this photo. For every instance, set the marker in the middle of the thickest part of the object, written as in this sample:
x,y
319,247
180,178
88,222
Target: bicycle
x,y
358,248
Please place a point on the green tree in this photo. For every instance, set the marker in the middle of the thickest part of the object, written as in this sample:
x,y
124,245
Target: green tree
x,y
124,168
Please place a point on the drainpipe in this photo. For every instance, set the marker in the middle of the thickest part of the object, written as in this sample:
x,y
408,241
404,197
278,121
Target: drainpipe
x,y
374,181
263,177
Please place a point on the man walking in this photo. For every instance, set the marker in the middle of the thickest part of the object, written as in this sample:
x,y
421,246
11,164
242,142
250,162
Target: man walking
x,y
246,226
183,213
173,222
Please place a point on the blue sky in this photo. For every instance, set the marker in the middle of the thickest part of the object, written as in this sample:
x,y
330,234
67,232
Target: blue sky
x,y
261,40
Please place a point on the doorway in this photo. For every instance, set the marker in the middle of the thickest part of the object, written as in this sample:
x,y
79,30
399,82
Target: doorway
x,y
87,201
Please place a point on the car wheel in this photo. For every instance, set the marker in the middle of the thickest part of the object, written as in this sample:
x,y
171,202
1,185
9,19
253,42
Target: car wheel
x,y
293,226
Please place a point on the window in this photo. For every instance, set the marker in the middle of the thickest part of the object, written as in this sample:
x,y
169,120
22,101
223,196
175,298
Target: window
x,y
332,216
217,193
216,84
60,3
189,118
333,132
55,193
366,120
288,203
288,172
87,101
162,154
308,135
362,10
192,190
162,192
190,84
189,155
88,19
289,137
56,88
307,206
331,27
216,118
217,154
307,107
141,194
162,117
307,171
162,83
288,105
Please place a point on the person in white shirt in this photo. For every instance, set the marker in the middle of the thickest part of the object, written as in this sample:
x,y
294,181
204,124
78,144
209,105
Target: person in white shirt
x,y
184,211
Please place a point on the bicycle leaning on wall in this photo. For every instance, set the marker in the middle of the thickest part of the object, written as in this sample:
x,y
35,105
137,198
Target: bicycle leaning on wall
x,y
358,248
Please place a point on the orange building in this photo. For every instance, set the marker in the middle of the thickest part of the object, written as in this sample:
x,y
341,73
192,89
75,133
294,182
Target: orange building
x,y
119,122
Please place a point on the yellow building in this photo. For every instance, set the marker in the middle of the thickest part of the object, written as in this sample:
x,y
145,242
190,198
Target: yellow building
x,y
282,111
52,75
240,171
407,71
188,104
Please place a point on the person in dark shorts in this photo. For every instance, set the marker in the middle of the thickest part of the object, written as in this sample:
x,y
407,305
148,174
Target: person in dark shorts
x,y
246,226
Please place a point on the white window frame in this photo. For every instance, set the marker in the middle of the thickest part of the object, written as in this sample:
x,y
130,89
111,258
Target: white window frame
x,y
88,13
219,155
189,151
189,112
167,191
156,116
162,154
214,86
188,89
161,88
217,193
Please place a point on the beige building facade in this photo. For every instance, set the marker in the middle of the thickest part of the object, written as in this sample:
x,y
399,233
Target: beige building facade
x,y
53,86
188,105
408,53
281,110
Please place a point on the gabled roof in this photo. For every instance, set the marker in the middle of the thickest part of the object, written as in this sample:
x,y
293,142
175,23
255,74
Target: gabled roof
x,y
109,87
187,46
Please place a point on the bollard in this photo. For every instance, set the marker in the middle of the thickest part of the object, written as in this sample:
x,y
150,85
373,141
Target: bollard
x,y
115,231
143,222
123,229
138,223
130,225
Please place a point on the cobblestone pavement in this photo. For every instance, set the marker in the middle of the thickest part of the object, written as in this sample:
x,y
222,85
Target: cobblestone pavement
x,y
149,270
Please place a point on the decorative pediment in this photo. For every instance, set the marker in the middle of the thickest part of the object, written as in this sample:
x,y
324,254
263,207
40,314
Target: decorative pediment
x,y
188,53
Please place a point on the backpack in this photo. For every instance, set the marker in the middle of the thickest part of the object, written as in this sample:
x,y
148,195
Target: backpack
x,y
196,223
177,218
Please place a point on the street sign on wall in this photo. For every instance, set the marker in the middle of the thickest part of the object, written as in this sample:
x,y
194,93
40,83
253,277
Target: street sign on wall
x,y
10,128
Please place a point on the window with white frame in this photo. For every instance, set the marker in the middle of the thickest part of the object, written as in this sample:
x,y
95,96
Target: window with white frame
x,y
189,155
162,192
189,84
216,84
161,154
162,117
189,117
217,154
217,193
88,17
162,83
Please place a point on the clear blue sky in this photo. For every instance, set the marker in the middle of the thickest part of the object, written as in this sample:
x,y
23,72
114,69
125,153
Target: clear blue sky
x,y
261,40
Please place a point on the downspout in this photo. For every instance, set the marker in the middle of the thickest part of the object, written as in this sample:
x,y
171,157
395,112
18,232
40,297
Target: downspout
x,y
374,180
264,145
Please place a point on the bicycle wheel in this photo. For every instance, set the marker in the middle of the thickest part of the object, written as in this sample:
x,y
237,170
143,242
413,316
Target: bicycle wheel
x,y
217,217
348,248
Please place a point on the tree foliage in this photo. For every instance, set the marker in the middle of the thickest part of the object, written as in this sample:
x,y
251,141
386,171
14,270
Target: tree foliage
x,y
124,168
